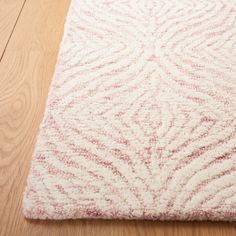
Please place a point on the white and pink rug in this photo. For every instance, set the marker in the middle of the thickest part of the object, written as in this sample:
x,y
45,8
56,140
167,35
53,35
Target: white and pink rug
x,y
140,121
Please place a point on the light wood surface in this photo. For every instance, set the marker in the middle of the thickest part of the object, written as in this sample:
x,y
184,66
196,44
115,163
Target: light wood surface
x,y
9,13
26,70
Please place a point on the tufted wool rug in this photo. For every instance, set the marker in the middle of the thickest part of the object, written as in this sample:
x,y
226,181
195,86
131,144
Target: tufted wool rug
x,y
140,121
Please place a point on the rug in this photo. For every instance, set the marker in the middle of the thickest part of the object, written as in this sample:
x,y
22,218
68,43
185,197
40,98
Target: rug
x,y
140,121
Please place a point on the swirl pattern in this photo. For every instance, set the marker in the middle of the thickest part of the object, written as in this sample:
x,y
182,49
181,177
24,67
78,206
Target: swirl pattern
x,y
140,121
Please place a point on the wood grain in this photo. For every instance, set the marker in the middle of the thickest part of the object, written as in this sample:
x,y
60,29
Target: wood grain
x,y
25,74
9,13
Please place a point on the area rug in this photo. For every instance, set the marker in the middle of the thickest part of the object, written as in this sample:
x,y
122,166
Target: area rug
x,y
140,121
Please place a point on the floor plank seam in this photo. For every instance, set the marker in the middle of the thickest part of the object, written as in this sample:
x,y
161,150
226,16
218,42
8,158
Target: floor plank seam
x,y
17,19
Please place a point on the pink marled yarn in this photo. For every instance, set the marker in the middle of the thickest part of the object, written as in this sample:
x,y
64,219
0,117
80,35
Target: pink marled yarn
x,y
140,121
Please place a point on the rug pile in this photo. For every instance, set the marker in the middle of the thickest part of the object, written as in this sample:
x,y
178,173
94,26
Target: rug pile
x,y
140,121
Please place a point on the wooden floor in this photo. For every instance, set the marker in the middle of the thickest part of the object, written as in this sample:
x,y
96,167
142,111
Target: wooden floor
x,y
30,33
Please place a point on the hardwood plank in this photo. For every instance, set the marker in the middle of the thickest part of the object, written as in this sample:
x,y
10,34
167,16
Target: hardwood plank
x,y
41,26
9,13
25,74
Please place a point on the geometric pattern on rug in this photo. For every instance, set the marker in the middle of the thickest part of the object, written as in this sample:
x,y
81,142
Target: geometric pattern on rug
x,y
140,121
